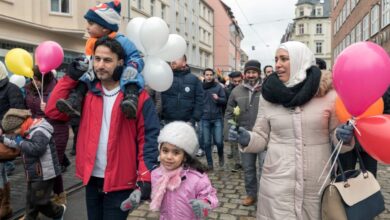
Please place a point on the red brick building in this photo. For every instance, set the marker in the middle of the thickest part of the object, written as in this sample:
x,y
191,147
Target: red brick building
x,y
360,20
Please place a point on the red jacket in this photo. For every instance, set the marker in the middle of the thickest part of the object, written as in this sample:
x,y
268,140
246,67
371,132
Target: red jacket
x,y
132,147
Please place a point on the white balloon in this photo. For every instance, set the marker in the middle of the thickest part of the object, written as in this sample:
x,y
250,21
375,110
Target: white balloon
x,y
133,32
154,35
174,49
18,80
157,73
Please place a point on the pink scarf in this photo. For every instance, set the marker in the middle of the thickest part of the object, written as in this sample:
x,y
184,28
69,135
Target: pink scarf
x,y
170,180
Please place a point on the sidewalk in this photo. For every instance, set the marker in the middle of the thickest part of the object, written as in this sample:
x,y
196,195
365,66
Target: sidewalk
x,y
229,185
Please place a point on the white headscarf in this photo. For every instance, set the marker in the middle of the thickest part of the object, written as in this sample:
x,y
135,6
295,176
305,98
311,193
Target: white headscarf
x,y
3,71
301,58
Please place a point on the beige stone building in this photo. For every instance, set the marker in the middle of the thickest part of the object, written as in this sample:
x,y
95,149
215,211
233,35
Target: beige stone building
x,y
27,23
312,26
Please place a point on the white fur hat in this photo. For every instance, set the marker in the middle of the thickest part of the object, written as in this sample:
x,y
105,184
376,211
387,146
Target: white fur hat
x,y
180,134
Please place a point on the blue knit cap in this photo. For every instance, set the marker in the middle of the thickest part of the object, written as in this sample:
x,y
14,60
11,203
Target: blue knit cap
x,y
106,15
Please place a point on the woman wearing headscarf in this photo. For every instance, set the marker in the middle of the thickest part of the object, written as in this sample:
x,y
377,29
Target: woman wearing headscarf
x,y
296,123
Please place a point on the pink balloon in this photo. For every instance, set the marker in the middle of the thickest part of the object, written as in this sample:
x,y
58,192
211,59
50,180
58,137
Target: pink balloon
x,y
48,56
361,75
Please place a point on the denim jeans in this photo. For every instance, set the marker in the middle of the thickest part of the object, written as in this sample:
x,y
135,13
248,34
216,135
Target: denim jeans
x,y
250,171
212,128
104,206
200,135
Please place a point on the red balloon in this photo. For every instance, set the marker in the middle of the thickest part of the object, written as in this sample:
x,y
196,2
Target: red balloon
x,y
374,136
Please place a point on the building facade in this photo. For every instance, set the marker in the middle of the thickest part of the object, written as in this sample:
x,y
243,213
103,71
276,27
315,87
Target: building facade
x,y
312,26
227,38
25,24
354,21
193,20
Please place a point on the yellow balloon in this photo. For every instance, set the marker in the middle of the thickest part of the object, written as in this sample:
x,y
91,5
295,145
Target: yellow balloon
x,y
19,62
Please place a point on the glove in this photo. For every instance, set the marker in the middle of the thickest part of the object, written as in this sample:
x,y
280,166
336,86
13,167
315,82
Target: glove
x,y
344,132
241,135
201,208
78,67
146,189
132,202
11,142
129,73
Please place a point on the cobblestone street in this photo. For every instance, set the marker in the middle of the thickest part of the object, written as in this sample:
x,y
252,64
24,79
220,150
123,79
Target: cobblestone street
x,y
229,185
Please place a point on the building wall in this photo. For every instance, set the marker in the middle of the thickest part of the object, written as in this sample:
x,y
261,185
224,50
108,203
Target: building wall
x,y
206,36
227,38
348,22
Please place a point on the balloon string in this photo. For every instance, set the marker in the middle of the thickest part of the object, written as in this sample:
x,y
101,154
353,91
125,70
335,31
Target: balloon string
x,y
353,123
43,75
338,147
36,87
327,162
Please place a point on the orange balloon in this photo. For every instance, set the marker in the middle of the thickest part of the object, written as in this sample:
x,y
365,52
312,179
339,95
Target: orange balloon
x,y
343,115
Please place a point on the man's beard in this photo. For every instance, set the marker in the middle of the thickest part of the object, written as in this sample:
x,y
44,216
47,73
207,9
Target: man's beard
x,y
252,82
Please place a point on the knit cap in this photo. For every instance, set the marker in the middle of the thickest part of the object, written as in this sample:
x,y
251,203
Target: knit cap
x,y
180,134
14,118
3,71
252,65
235,74
106,15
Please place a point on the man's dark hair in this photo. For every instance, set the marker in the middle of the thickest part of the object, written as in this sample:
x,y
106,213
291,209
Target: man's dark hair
x,y
208,69
113,44
321,63
267,67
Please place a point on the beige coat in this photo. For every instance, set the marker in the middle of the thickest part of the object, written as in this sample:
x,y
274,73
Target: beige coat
x,y
298,144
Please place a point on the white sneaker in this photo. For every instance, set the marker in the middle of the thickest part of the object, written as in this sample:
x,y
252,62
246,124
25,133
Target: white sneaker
x,y
200,153
63,213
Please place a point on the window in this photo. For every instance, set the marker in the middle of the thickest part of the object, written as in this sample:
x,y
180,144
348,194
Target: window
x,y
366,27
152,7
209,41
353,4
375,19
319,28
359,32
319,12
185,26
385,13
347,40
318,47
140,4
301,29
301,12
353,35
163,11
59,6
348,6
206,59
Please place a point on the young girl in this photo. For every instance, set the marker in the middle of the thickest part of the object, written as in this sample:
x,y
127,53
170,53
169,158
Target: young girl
x,y
180,188
35,141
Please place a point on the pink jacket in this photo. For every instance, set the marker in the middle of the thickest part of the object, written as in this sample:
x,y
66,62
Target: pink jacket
x,y
194,185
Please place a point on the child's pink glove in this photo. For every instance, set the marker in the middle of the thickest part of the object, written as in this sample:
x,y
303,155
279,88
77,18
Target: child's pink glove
x,y
132,202
200,207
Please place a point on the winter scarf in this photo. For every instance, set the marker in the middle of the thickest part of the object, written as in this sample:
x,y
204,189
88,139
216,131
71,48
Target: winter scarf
x,y
90,45
276,91
208,85
170,180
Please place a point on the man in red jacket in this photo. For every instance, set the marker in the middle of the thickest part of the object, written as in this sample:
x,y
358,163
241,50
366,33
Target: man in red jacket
x,y
115,155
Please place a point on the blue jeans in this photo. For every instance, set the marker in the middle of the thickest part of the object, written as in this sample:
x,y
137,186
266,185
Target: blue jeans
x,y
250,172
104,206
200,135
212,128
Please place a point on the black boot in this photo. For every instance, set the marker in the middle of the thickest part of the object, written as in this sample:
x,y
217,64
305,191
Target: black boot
x,y
130,101
72,105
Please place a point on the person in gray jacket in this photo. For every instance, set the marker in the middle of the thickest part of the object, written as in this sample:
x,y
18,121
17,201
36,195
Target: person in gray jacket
x,y
34,138
246,96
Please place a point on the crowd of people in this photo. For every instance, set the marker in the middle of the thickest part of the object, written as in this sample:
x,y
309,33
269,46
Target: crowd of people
x,y
134,144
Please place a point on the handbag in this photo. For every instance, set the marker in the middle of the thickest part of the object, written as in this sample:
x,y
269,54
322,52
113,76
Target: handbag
x,y
352,195
7,153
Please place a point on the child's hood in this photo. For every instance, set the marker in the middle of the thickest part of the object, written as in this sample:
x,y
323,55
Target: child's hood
x,y
42,123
